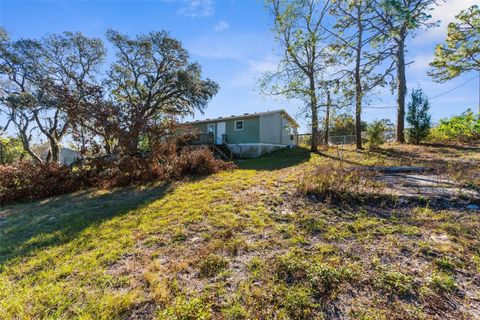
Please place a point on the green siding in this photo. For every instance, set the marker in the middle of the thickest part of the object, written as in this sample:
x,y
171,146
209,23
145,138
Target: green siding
x,y
249,134
201,127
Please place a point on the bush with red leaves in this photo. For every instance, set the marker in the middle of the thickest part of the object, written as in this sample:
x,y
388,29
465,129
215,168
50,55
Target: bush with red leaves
x,y
200,161
24,181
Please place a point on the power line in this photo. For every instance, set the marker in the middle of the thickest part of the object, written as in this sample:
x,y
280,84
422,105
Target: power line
x,y
444,93
438,95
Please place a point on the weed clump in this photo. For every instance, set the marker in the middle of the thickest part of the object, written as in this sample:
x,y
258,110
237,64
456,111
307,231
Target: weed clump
x,y
234,312
299,304
212,265
443,282
325,279
192,309
322,278
338,183
291,267
395,282
445,264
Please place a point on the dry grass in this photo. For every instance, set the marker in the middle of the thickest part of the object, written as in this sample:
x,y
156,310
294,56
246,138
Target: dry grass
x,y
242,245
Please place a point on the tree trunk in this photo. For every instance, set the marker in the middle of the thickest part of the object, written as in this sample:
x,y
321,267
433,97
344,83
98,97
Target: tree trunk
x,y
26,145
2,158
54,150
313,106
358,85
401,90
314,144
358,118
133,137
327,119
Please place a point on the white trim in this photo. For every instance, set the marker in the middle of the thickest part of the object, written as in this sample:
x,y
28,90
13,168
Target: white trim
x,y
235,125
221,131
214,128
245,116
237,148
258,144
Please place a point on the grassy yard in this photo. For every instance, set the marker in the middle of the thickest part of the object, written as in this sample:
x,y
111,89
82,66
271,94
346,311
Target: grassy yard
x,y
246,244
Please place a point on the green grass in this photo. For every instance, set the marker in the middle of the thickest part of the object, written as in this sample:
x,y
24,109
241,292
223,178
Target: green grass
x,y
278,159
235,245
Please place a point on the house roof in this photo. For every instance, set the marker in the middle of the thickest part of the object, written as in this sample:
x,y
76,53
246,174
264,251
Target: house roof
x,y
246,116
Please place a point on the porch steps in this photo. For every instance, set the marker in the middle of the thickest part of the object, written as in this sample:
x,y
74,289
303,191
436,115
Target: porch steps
x,y
223,151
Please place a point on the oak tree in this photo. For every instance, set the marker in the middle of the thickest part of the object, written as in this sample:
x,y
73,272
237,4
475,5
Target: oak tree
x,y
152,77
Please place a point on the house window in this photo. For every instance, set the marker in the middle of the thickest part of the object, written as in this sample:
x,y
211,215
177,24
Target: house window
x,y
239,125
211,128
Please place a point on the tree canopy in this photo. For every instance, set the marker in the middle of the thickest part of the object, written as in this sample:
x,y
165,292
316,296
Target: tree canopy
x,y
398,19
461,51
306,55
152,77
57,85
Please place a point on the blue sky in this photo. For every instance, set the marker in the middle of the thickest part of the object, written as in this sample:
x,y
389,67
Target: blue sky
x,y
233,43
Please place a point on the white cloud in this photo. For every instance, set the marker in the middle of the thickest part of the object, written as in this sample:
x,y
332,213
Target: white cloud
x,y
421,62
446,13
255,70
221,25
228,46
197,8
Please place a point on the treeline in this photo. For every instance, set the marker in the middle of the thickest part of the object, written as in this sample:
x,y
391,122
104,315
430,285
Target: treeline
x,y
121,115
336,54
60,85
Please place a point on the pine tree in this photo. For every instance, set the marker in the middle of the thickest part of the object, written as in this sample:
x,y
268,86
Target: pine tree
x,y
418,116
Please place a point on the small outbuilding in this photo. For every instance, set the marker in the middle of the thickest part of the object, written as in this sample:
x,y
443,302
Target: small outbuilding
x,y
250,134
67,156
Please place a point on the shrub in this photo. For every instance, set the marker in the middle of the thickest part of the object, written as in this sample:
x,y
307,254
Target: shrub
x,y
11,150
463,128
25,181
200,161
376,134
418,117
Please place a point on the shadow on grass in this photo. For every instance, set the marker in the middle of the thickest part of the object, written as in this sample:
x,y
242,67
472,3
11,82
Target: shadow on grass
x,y
331,157
453,146
279,159
44,223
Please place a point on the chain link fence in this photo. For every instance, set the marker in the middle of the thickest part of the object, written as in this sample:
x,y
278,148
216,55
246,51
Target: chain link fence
x,y
304,140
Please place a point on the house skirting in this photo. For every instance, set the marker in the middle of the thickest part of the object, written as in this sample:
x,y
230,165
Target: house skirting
x,y
250,150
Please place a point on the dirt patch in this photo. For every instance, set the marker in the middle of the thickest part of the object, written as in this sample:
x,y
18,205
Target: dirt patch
x,y
428,185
